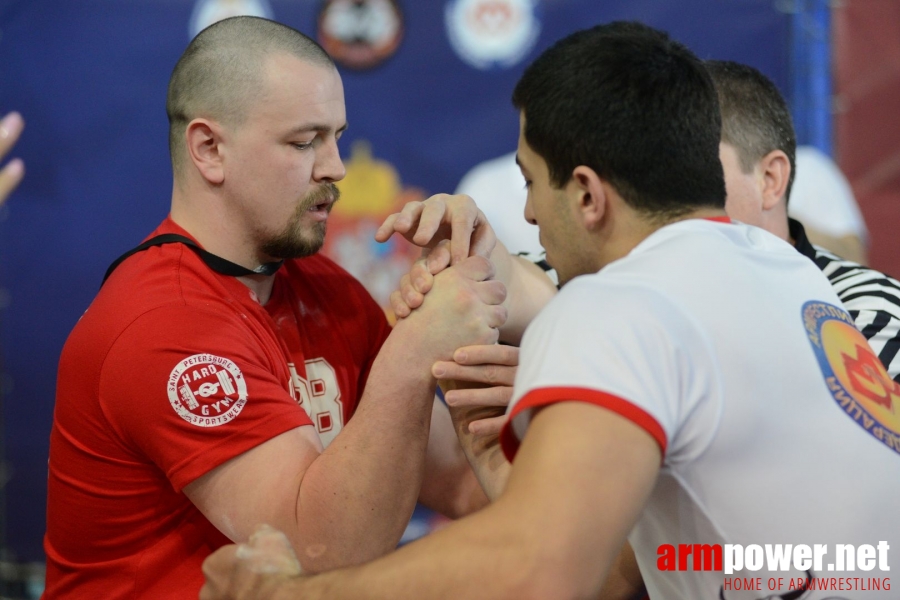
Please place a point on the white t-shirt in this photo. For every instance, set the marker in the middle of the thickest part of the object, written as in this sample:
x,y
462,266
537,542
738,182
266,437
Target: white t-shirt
x,y
821,197
498,188
718,339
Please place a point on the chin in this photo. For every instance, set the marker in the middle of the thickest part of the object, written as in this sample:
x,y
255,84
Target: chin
x,y
295,246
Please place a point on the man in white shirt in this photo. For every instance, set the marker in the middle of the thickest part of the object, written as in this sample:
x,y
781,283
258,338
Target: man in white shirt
x,y
666,395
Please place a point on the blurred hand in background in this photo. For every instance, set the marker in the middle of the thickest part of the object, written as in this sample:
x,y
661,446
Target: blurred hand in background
x,y
10,128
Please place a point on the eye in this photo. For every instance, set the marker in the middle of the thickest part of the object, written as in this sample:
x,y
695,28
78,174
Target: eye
x,y
302,145
527,184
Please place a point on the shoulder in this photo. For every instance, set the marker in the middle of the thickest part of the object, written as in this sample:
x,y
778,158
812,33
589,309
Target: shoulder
x,y
614,302
153,299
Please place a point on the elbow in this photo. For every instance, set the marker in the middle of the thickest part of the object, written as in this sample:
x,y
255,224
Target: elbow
x,y
551,585
542,574
316,559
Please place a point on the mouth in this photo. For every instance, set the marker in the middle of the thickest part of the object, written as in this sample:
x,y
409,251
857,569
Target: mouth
x,y
324,205
320,210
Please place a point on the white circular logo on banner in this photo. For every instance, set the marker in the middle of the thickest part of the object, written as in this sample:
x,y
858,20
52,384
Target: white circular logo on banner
x,y
207,390
492,33
207,12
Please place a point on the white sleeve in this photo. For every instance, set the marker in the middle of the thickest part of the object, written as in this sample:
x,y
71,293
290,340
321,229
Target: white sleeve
x,y
627,348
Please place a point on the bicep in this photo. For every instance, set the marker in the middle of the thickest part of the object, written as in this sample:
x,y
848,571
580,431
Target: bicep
x,y
261,485
587,472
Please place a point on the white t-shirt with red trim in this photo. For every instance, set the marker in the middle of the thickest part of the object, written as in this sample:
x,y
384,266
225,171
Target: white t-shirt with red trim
x,y
728,347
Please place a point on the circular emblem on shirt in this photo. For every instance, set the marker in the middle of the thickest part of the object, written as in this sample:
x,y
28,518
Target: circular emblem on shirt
x,y
360,34
853,373
207,390
492,33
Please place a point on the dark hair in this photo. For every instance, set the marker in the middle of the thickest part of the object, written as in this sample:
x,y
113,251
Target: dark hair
x,y
221,71
635,106
755,117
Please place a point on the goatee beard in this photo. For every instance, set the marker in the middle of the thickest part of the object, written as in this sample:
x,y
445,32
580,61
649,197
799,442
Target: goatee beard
x,y
293,241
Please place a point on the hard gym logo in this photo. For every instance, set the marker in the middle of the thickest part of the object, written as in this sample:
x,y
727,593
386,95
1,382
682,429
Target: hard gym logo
x,y
853,373
207,390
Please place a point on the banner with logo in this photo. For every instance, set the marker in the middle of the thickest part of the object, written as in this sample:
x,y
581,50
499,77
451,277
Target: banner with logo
x,y
428,88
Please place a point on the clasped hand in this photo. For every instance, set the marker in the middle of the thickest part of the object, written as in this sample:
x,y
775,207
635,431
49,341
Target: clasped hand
x,y
451,228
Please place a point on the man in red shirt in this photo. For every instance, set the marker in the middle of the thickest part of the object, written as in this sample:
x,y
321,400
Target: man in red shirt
x,y
210,388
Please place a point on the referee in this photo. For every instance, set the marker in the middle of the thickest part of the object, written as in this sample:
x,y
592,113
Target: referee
x,y
758,154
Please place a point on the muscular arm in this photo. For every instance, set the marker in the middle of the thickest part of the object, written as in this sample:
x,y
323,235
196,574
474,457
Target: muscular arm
x,y
449,486
543,538
528,291
350,503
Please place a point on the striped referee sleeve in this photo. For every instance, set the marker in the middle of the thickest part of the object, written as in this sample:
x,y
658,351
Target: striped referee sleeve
x,y
873,300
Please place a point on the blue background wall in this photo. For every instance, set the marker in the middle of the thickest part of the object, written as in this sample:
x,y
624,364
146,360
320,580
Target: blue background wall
x,y
90,78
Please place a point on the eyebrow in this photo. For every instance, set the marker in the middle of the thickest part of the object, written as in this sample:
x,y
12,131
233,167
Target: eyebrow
x,y
521,166
317,128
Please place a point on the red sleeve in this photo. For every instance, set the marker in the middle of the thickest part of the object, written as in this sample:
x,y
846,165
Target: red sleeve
x,y
509,439
190,389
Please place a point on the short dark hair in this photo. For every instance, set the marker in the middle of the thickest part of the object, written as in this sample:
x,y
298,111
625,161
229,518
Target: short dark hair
x,y
755,117
222,70
635,106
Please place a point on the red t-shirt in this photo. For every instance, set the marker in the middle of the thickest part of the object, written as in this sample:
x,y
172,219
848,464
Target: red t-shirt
x,y
173,370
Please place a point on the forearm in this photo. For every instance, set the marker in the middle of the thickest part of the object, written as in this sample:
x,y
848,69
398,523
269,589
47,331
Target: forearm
x,y
489,555
450,486
528,291
356,498
483,452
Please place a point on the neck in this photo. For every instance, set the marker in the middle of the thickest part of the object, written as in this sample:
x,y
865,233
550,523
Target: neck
x,y
638,228
775,221
203,215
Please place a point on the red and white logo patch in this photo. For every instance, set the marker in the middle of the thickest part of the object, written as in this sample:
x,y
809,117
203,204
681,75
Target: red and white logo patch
x,y
207,390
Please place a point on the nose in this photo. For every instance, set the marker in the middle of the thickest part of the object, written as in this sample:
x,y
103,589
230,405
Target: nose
x,y
329,167
529,211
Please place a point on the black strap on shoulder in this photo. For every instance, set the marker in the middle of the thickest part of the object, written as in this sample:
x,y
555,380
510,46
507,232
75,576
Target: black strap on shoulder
x,y
216,263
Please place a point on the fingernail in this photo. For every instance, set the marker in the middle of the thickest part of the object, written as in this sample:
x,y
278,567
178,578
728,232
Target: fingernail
x,y
10,122
15,167
461,356
438,371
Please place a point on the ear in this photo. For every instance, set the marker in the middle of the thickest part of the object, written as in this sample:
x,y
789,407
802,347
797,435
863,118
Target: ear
x,y
775,169
204,138
590,195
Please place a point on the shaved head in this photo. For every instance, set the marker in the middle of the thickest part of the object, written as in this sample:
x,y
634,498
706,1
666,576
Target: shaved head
x,y
223,71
